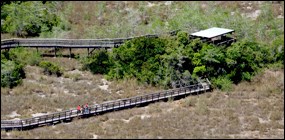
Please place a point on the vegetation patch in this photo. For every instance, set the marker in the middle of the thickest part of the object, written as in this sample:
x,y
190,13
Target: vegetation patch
x,y
51,68
177,60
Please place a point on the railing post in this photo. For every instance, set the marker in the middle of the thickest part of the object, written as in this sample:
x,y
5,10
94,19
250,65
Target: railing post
x,y
198,89
184,92
178,91
21,124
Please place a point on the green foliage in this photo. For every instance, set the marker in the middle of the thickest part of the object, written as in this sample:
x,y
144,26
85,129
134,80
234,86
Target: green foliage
x,y
182,38
97,63
223,83
278,49
161,61
11,73
199,70
24,56
244,58
172,61
138,58
12,64
28,18
50,68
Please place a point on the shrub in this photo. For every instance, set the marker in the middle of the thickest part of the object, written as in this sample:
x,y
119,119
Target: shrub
x,y
24,56
99,62
223,83
278,48
164,61
28,18
140,58
11,73
199,70
50,68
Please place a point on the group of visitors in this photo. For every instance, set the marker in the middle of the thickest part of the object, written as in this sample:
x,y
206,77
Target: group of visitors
x,y
83,109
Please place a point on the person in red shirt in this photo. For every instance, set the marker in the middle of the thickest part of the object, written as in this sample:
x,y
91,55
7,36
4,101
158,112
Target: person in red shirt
x,y
78,109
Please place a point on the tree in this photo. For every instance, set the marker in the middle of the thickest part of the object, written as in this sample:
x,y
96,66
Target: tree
x,y
28,18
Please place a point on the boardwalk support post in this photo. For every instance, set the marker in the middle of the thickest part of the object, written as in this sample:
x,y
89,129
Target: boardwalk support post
x,y
69,52
87,51
54,51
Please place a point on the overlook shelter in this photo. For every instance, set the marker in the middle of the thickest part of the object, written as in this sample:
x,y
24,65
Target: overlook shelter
x,y
217,36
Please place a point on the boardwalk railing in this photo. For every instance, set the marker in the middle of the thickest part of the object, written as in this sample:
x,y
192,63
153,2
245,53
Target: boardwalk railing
x,y
67,115
67,43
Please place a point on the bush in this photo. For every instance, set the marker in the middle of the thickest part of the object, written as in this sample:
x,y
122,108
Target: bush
x,y
11,73
223,83
24,56
51,68
140,58
199,70
244,59
97,63
172,61
28,18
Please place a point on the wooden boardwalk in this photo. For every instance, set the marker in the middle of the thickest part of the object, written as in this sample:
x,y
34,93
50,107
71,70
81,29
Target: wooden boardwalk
x,y
66,43
7,44
89,44
68,115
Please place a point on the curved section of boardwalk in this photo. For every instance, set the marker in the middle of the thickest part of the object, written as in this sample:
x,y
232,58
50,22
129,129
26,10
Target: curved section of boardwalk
x,y
68,115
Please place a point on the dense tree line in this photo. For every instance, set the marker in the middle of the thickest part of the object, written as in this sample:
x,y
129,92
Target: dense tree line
x,y
168,61
28,18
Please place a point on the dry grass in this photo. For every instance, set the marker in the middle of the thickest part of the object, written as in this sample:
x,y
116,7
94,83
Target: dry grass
x,y
252,110
41,93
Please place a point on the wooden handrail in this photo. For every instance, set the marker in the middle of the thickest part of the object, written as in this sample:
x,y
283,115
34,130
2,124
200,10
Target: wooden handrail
x,y
109,105
54,42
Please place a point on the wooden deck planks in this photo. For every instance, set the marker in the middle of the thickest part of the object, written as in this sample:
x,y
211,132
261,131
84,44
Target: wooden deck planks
x,y
104,107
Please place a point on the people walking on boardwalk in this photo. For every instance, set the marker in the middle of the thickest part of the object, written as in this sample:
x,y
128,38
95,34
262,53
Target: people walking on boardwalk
x,y
78,109
86,108
82,109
